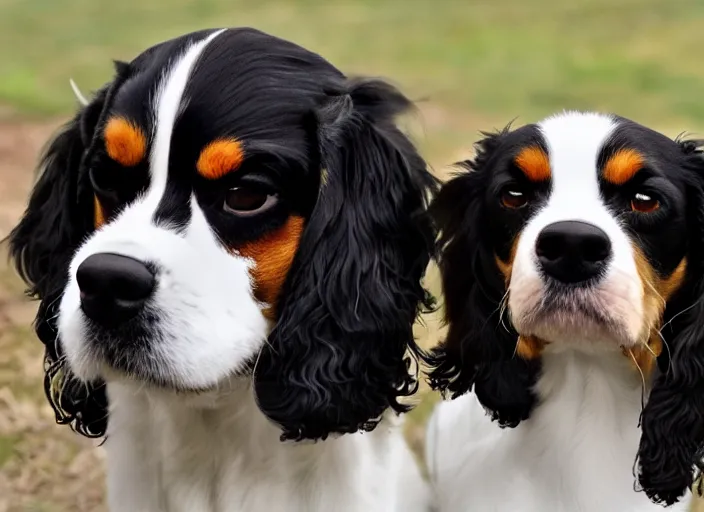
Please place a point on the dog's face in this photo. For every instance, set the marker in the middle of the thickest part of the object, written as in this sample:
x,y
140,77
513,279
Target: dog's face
x,y
232,203
581,232
589,228
168,288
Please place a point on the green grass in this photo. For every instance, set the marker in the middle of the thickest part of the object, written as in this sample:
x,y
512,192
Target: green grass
x,y
7,448
474,62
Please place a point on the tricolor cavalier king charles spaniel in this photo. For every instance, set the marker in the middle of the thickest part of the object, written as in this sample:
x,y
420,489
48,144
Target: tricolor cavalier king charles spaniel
x,y
573,273
228,243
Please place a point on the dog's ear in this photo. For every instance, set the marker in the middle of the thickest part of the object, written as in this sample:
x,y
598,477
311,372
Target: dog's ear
x,y
479,350
58,217
672,439
335,360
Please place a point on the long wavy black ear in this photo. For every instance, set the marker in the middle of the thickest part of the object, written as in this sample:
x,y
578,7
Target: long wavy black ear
x,y
336,359
59,215
672,440
479,350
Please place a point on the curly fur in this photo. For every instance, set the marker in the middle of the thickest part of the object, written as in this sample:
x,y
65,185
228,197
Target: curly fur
x,y
327,367
478,352
672,424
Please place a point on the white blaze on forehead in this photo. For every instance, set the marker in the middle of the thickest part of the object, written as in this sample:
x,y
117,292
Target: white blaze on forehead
x,y
167,107
574,141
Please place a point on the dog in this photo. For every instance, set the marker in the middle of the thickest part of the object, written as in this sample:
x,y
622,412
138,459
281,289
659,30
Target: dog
x,y
572,261
228,242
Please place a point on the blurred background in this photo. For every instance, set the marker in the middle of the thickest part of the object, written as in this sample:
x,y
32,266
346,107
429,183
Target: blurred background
x,y
470,64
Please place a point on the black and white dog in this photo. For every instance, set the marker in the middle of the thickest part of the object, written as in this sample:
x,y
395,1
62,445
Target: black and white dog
x,y
228,243
573,273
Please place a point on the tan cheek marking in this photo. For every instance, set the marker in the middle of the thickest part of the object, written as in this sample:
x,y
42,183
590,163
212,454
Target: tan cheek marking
x,y
273,255
656,292
622,166
534,163
644,357
527,347
98,214
125,142
506,267
219,158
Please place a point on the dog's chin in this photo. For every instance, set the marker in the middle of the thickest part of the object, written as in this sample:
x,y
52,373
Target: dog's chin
x,y
574,321
149,357
180,394
576,330
156,381
146,370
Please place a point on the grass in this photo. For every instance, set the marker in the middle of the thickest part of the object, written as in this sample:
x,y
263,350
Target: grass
x,y
481,59
471,65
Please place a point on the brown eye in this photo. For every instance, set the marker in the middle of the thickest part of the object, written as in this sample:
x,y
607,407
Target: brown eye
x,y
247,201
643,203
514,198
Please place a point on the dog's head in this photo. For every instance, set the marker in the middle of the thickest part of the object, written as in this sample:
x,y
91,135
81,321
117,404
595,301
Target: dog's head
x,y
584,232
231,203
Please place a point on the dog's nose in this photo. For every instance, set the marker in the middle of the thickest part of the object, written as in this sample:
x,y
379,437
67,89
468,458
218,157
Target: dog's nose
x,y
113,287
573,251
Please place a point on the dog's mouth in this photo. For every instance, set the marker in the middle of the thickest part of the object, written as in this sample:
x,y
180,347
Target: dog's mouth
x,y
568,314
137,352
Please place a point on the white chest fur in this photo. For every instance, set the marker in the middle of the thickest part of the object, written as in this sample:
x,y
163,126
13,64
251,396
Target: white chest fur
x,y
576,453
219,454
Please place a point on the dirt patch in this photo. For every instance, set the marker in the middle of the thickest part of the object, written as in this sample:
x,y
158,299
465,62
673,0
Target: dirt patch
x,y
20,145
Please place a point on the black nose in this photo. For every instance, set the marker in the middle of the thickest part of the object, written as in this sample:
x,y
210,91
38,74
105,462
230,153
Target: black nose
x,y
573,251
113,287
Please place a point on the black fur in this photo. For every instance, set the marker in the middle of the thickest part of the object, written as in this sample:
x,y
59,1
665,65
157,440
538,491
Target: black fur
x,y
478,352
335,361
672,439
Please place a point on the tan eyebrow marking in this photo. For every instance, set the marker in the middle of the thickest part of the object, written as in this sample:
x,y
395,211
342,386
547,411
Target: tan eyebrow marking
x,y
534,163
220,157
622,166
125,142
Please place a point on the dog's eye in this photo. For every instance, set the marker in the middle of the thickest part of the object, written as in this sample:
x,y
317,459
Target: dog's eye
x,y
643,203
513,198
248,201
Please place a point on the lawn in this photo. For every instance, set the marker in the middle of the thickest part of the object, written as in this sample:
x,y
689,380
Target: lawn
x,y
470,65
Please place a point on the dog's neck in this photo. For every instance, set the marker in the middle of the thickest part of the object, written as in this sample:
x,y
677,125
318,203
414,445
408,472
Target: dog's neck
x,y
576,451
217,452
584,432
588,386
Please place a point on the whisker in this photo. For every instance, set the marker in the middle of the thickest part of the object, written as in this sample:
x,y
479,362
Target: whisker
x,y
503,306
678,314
652,287
669,352
642,378
648,348
256,363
